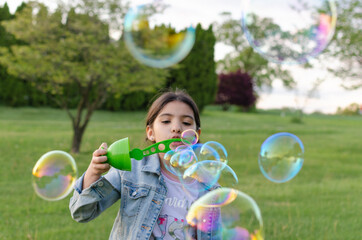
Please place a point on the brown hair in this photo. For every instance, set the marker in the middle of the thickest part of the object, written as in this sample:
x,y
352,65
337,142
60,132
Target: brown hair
x,y
169,96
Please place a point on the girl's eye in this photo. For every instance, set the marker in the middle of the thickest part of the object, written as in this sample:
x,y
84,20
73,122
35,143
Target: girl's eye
x,y
187,123
166,121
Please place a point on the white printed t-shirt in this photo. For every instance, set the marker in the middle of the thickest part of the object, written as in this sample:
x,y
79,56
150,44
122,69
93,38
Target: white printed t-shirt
x,y
172,219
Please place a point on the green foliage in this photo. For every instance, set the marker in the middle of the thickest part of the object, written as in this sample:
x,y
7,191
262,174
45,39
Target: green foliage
x,y
352,109
230,32
5,13
14,92
74,60
196,73
345,46
79,51
134,101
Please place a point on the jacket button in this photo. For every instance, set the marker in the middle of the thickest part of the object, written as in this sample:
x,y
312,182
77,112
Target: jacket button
x,y
100,184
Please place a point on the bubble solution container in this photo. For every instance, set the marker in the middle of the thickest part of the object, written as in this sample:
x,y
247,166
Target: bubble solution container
x,y
119,154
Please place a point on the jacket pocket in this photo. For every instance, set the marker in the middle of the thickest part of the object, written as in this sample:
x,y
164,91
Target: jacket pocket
x,y
133,198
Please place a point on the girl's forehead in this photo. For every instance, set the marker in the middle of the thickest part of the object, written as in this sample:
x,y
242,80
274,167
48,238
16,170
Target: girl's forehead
x,y
177,108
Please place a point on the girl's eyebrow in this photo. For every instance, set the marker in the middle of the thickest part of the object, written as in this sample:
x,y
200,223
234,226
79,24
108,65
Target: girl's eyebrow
x,y
171,115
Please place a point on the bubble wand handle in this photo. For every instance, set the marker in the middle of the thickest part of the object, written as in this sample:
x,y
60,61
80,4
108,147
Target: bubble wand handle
x,y
159,147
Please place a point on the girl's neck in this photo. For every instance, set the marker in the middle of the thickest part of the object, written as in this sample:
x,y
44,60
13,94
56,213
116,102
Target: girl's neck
x,y
168,174
172,176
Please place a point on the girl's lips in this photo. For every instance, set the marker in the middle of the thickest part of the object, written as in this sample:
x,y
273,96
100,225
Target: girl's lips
x,y
176,144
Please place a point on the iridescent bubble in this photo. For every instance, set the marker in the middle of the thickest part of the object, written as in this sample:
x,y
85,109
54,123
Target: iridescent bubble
x,y
181,161
212,147
208,153
210,174
281,157
167,161
226,214
54,175
289,32
189,137
152,37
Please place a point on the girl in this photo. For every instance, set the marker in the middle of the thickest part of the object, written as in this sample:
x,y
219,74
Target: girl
x,y
153,205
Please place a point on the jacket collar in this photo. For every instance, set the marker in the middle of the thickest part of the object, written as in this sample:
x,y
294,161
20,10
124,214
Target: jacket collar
x,y
152,164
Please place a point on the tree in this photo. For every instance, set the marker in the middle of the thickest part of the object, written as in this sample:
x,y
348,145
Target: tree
x,y
75,54
352,109
263,72
345,46
236,88
10,86
197,72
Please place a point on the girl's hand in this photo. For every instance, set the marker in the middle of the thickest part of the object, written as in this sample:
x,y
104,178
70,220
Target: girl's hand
x,y
97,166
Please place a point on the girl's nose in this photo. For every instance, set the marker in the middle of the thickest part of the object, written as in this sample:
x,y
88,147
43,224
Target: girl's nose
x,y
176,128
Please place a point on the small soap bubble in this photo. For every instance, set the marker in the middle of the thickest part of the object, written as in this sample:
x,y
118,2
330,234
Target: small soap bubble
x,y
54,175
226,214
289,32
281,157
189,137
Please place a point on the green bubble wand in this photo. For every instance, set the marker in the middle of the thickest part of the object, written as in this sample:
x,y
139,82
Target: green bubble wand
x,y
119,154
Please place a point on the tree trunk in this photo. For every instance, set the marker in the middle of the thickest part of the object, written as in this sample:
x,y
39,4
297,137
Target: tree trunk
x,y
77,138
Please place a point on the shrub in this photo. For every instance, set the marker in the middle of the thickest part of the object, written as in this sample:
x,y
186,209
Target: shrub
x,y
236,88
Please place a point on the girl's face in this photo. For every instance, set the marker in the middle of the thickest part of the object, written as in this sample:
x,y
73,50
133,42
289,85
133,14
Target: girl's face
x,y
172,120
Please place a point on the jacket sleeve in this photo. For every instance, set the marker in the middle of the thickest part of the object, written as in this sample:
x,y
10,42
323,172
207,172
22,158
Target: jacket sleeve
x,y
88,203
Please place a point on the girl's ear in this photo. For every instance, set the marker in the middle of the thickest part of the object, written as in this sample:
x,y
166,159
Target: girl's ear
x,y
199,132
150,133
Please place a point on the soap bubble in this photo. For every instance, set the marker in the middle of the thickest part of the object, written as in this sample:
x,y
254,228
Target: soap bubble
x,y
205,164
152,37
189,137
289,32
182,160
167,161
215,149
54,175
227,214
211,174
281,157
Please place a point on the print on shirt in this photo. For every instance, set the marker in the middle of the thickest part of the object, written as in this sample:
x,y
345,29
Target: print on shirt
x,y
171,227
175,228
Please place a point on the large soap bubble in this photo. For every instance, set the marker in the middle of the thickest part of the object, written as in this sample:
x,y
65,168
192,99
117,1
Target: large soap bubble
x,y
211,174
152,36
226,214
281,157
214,148
289,31
182,160
205,164
54,175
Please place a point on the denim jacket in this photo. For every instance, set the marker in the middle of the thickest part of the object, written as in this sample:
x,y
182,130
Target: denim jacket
x,y
142,192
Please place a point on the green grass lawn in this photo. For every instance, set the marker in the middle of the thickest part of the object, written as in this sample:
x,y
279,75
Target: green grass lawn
x,y
324,201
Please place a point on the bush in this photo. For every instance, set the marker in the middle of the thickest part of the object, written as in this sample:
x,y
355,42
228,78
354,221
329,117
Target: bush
x,y
236,89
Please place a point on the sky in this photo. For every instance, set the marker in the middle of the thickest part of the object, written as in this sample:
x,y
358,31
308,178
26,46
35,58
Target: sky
x,y
329,96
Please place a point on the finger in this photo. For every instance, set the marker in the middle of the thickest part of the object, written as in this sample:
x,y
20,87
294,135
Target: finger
x,y
103,146
102,167
100,159
99,152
